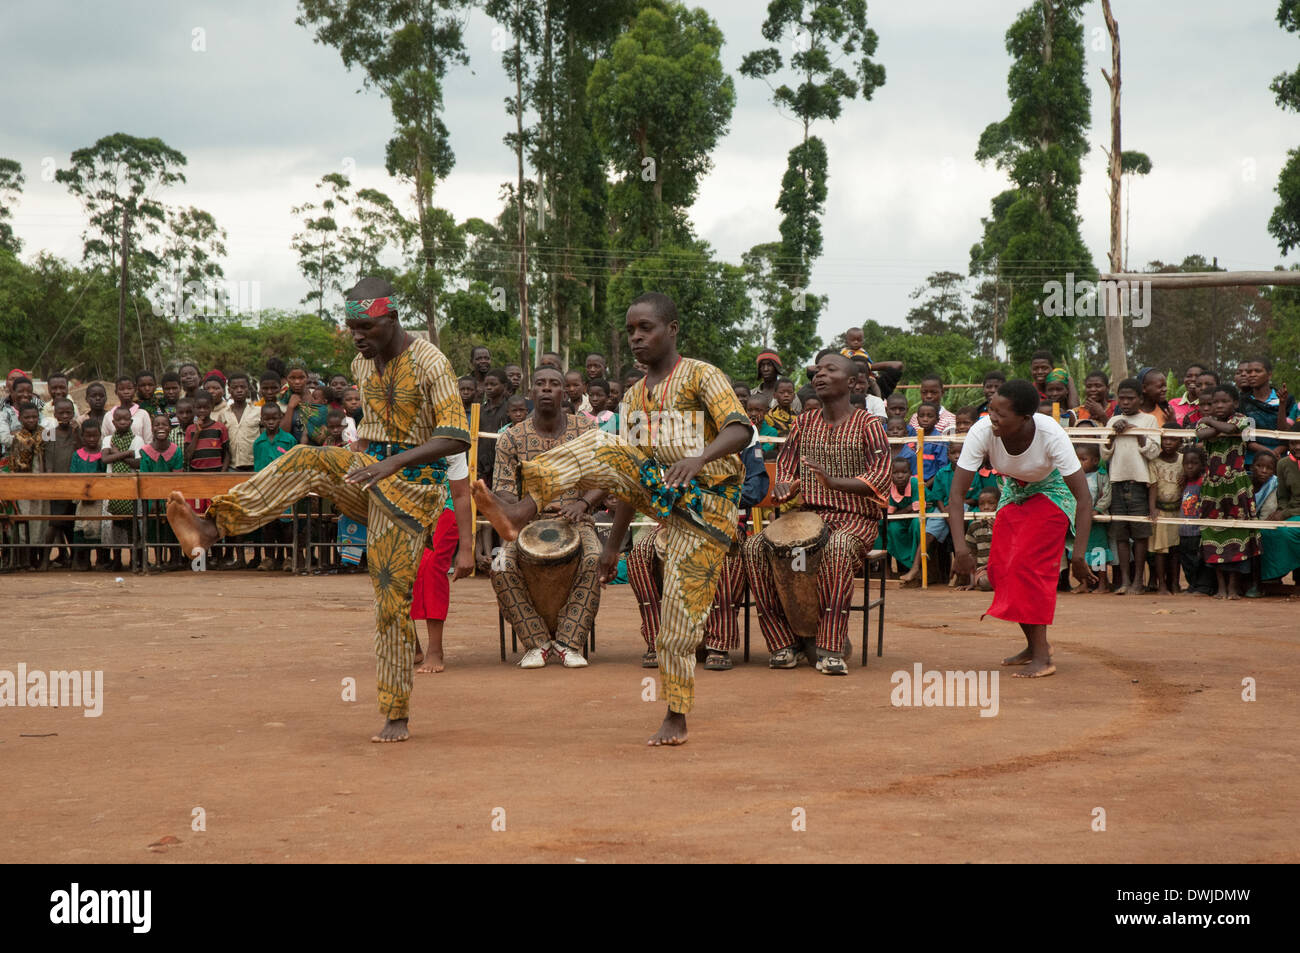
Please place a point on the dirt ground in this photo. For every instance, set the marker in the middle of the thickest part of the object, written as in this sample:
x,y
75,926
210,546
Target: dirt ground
x,y
224,692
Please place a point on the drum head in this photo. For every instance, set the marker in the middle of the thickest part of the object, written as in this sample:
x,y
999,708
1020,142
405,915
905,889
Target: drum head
x,y
544,542
800,528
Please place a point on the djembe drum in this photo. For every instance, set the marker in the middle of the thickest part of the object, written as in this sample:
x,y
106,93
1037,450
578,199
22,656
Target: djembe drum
x,y
548,552
794,544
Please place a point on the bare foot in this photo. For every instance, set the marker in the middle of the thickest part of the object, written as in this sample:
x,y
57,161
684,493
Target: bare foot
x,y
1220,595
1162,591
435,664
1234,595
1121,590
671,732
394,730
1081,587
506,518
1039,668
195,533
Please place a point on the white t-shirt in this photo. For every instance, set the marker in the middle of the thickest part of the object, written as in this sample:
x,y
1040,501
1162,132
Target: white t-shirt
x,y
457,469
1051,450
875,406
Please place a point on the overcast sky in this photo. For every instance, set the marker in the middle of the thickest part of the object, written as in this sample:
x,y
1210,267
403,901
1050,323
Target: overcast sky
x,y
263,112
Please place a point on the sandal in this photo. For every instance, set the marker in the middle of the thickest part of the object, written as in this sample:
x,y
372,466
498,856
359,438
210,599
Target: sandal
x,y
718,662
650,660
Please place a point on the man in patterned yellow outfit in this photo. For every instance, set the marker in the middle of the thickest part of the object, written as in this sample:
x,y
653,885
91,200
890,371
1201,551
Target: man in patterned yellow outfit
x,y
676,459
413,420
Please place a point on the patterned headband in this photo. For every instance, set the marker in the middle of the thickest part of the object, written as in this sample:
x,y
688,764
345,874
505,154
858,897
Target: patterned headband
x,y
1057,375
368,307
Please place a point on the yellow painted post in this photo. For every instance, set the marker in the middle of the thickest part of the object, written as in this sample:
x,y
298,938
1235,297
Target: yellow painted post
x,y
1056,411
920,499
473,475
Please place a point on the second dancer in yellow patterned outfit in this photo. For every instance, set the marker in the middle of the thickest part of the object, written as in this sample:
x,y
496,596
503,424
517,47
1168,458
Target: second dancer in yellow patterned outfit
x,y
675,459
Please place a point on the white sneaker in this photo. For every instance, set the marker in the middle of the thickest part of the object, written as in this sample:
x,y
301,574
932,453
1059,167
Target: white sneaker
x,y
534,657
571,658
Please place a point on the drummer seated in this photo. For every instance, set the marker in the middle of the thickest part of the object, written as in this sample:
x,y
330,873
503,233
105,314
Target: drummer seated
x,y
838,458
546,427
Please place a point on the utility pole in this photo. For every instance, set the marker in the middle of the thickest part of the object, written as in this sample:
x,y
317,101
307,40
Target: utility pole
x,y
1115,349
121,294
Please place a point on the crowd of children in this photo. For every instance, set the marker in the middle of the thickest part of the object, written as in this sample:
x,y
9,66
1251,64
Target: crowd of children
x,y
1142,481
1225,477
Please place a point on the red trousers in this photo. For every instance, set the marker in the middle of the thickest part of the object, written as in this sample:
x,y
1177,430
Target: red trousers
x,y
432,593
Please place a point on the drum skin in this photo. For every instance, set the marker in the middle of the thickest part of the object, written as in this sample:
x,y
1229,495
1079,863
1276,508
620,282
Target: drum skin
x,y
797,537
548,552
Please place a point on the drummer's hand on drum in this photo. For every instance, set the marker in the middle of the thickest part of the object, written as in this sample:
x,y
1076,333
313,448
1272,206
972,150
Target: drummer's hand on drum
x,y
827,480
683,471
785,491
964,562
575,511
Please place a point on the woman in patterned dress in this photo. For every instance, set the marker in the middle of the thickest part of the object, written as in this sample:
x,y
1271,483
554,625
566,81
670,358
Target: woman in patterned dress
x,y
1226,492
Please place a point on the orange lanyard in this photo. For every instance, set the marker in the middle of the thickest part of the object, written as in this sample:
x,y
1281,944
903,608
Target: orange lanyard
x,y
663,397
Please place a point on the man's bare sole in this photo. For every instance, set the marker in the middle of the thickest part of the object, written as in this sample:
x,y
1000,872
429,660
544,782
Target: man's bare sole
x,y
496,512
671,732
394,730
1037,669
1025,656
193,531
434,664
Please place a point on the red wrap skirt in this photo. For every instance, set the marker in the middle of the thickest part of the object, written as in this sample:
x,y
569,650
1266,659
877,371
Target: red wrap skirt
x,y
1025,560
432,593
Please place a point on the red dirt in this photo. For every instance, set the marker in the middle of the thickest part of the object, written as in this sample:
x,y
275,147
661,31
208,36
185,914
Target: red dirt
x,y
224,692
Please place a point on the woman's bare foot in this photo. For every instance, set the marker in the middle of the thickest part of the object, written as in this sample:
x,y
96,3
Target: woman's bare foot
x,y
394,730
195,533
506,518
1025,656
434,664
1038,668
671,732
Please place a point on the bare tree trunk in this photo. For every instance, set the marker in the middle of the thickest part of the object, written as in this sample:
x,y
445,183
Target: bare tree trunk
x,y
1115,349
121,293
523,216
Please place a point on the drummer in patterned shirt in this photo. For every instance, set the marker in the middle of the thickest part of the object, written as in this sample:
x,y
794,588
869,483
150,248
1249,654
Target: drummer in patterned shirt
x,y
546,427
839,457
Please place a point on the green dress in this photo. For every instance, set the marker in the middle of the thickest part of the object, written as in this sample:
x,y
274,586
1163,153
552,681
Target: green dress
x,y
902,536
1227,493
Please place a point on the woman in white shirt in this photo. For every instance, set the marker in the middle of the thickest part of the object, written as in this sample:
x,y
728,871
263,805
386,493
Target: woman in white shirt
x,y
1043,487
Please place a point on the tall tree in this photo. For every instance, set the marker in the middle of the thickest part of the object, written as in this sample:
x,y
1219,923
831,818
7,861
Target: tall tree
x,y
942,306
1131,163
522,17
11,187
821,34
1033,237
191,253
1284,224
660,102
378,227
321,258
122,173
404,48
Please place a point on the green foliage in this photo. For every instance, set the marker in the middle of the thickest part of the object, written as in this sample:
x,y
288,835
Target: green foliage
x,y
1033,237
11,187
233,343
1284,223
122,173
821,33
660,102
947,354
711,299
1284,335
